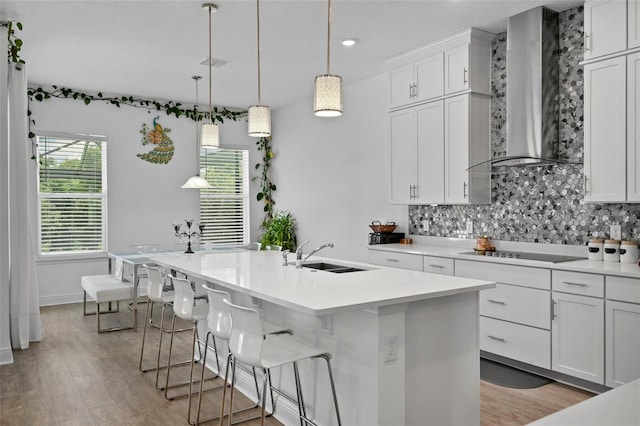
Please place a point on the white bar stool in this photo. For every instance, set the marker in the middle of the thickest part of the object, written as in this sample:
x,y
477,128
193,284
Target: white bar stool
x,y
248,346
156,294
219,325
185,308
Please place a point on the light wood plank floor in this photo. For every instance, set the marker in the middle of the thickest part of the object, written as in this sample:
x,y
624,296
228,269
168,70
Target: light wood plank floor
x,y
77,377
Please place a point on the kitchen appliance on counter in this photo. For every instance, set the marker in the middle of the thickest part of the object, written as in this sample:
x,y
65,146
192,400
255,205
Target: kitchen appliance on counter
x,y
541,257
385,237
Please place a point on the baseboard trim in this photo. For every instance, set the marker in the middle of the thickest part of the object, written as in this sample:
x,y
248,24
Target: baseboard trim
x,y
60,299
558,377
6,356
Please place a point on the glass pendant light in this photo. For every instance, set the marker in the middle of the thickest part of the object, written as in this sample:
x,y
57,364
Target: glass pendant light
x,y
210,134
259,115
327,96
196,181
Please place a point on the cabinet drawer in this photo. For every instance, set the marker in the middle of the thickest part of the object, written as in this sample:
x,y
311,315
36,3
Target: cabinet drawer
x,y
438,265
623,289
519,342
507,274
578,283
396,260
523,305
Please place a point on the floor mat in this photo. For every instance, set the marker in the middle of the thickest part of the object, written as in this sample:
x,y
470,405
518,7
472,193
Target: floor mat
x,y
503,375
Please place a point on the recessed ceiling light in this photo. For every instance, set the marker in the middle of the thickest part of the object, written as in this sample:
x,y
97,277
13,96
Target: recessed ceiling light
x,y
349,42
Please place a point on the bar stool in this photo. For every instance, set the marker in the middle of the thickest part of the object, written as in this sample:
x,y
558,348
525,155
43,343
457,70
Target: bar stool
x,y
156,294
219,325
247,345
185,308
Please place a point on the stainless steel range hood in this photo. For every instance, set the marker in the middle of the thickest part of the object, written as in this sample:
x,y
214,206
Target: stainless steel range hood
x,y
532,89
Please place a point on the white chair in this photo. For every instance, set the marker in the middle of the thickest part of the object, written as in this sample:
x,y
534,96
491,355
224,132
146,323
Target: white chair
x,y
248,346
219,326
157,293
185,308
106,289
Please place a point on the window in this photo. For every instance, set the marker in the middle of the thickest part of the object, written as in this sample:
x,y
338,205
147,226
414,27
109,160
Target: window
x,y
72,194
224,208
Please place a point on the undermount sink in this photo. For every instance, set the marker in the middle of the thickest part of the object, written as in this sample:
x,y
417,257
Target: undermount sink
x,y
331,267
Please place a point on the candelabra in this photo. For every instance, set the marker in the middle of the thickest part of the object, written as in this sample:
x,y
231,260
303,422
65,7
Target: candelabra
x,y
188,234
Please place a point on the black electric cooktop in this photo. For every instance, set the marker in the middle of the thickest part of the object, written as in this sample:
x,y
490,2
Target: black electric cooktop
x,y
541,257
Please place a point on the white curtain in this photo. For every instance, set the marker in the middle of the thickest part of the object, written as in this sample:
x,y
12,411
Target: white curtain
x,y
6,356
23,283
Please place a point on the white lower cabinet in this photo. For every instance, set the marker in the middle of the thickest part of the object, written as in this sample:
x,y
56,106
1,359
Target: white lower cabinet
x,y
622,311
519,342
577,332
437,265
515,316
396,260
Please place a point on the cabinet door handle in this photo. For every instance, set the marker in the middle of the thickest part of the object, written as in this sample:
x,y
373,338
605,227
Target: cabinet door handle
x,y
499,339
464,189
553,309
572,283
586,190
436,266
587,40
497,302
464,77
415,90
389,259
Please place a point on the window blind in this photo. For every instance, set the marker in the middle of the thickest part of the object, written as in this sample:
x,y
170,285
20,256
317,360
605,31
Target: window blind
x,y
71,194
224,208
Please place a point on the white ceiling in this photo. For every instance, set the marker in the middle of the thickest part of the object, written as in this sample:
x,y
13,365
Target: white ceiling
x,y
152,48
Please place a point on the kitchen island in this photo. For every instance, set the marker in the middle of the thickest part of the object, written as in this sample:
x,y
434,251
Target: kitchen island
x,y
404,343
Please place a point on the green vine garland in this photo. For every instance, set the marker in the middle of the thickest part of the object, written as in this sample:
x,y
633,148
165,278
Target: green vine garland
x,y
15,44
169,107
266,186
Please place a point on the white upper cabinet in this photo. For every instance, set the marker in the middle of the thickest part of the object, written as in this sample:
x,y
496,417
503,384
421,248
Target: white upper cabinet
x,y
633,13
417,82
401,86
605,27
417,154
605,147
467,143
633,127
450,66
403,155
456,69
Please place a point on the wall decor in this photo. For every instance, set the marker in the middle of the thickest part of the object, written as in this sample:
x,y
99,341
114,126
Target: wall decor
x,y
539,203
162,152
266,185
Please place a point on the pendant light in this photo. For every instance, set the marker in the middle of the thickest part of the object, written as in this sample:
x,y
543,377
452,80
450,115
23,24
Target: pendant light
x,y
327,96
210,134
259,115
197,182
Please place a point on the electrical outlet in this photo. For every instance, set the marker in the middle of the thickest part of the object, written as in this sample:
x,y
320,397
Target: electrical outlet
x,y
425,226
615,231
469,227
390,348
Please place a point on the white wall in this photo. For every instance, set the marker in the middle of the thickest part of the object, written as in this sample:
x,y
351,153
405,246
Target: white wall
x,y
144,199
333,173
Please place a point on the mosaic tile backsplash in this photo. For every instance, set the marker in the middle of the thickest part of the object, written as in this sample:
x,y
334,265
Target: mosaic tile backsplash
x,y
541,203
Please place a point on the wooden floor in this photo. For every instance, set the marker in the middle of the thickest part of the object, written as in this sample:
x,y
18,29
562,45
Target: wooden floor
x,y
77,377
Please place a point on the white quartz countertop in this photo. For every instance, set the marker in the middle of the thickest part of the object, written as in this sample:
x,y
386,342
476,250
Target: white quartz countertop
x,y
588,266
261,274
619,406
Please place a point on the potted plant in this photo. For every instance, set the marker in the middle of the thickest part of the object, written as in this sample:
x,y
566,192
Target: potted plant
x,y
280,230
